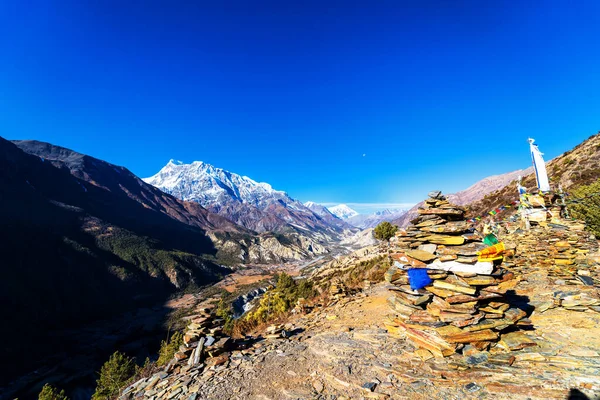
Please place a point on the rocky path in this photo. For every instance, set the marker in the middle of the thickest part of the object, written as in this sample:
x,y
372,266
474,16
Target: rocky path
x,y
344,352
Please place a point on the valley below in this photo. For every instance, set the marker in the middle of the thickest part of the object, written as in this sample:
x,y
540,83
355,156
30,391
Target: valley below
x,y
99,260
77,354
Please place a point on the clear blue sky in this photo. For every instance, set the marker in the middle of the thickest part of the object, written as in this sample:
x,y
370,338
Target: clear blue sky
x,y
332,101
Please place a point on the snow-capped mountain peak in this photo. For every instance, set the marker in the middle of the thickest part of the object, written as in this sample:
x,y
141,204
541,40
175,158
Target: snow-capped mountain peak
x,y
254,205
385,212
208,185
342,211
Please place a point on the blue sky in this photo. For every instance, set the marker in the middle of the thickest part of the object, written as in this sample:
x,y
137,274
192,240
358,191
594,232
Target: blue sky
x,y
371,102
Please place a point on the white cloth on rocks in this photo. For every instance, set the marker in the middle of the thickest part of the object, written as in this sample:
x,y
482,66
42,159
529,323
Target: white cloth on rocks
x,y
480,267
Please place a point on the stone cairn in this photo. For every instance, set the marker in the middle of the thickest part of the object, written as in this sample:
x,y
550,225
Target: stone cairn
x,y
338,290
204,346
565,253
460,306
564,249
206,350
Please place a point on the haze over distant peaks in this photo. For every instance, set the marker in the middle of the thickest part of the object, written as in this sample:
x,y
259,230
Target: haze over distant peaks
x,y
353,218
364,221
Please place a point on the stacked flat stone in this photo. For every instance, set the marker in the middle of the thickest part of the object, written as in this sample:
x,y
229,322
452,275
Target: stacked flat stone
x,y
439,224
205,346
337,290
460,306
565,250
277,331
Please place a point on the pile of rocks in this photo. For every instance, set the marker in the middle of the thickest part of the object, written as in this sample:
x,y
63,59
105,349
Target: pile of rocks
x,y
440,224
278,331
565,250
466,301
205,347
338,290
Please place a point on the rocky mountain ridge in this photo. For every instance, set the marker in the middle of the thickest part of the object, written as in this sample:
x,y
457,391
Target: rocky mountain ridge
x,y
230,241
76,228
256,206
576,167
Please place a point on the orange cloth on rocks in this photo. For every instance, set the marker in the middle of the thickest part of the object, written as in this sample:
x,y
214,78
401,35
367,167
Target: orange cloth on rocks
x,y
491,253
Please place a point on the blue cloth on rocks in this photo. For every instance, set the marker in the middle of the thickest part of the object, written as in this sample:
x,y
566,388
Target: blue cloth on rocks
x,y
418,278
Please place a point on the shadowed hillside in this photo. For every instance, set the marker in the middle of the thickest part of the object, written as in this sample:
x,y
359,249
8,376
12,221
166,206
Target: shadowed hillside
x,y
77,244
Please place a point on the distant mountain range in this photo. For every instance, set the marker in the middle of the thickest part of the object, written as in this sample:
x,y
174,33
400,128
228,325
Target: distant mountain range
x,y
328,216
253,205
365,221
362,221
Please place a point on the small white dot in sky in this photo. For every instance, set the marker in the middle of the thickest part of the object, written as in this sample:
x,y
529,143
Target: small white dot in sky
x,y
364,155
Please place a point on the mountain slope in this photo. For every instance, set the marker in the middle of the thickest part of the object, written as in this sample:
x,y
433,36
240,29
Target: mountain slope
x,y
328,217
486,185
256,206
83,239
74,251
473,193
574,168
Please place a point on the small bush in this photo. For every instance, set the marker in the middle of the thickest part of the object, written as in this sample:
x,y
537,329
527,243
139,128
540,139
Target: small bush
x,y
224,312
49,392
385,231
372,270
168,348
276,303
586,205
114,375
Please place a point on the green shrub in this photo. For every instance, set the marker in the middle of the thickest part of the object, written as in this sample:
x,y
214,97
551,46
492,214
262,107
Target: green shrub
x,y
385,231
115,374
586,205
168,348
49,392
224,311
306,289
276,303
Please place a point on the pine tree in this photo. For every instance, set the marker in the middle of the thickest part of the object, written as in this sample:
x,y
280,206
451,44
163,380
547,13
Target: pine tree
x,y
169,348
49,392
385,231
114,375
